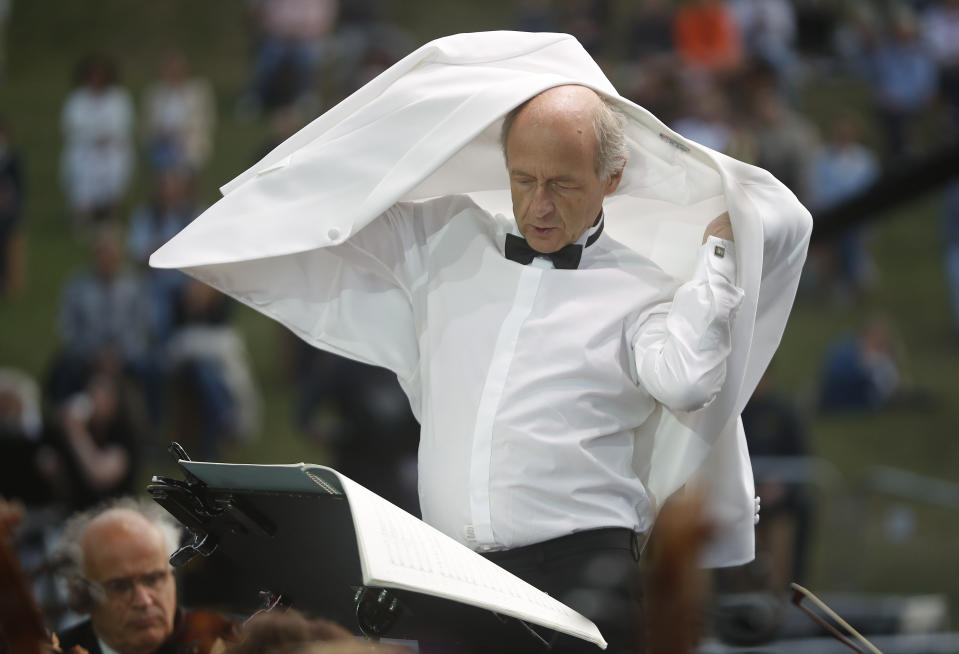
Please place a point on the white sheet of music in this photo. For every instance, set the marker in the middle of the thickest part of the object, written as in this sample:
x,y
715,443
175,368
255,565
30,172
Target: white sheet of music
x,y
398,550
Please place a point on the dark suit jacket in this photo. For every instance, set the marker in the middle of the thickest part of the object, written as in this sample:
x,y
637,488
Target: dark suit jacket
x,y
83,635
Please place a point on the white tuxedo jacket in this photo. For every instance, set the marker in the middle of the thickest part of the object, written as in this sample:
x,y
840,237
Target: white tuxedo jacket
x,y
429,126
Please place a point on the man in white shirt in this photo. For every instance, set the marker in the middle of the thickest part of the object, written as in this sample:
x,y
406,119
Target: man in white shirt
x,y
556,405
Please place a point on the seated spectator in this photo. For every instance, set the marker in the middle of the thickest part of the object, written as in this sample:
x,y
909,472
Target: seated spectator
x,y
92,447
367,43
768,29
179,117
207,360
940,32
707,37
861,372
784,140
705,117
903,76
97,161
295,37
117,570
171,208
648,31
105,322
589,22
11,213
841,168
354,409
21,437
777,438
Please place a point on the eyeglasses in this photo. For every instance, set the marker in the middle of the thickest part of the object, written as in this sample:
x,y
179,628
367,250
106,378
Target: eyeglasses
x,y
123,587
800,593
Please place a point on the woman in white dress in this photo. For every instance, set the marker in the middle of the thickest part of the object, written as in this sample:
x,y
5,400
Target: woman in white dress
x,y
97,123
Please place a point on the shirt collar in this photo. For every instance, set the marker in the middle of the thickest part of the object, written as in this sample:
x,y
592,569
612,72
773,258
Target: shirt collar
x,y
592,230
104,648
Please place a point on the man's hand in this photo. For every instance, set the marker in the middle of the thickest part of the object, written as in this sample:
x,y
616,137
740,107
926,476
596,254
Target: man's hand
x,y
719,227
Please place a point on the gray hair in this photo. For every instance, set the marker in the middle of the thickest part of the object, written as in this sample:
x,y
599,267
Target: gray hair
x,y
69,551
609,126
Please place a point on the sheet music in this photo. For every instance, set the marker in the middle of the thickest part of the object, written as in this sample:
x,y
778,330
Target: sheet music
x,y
398,550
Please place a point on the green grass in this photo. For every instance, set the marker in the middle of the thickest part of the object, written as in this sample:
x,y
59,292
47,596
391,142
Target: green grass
x,y
45,39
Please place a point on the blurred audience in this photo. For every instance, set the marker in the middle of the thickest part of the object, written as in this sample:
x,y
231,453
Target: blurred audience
x,y
12,191
356,409
940,31
777,438
903,77
92,449
115,561
589,22
707,36
105,321
535,16
215,396
171,207
366,45
179,116
784,139
5,7
842,167
294,39
11,515
705,116
950,232
21,437
862,372
649,30
768,29
97,122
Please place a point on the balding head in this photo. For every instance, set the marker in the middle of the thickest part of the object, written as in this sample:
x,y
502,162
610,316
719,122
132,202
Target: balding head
x,y
119,524
592,114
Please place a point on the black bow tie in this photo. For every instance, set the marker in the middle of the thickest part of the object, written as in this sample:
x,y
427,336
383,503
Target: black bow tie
x,y
565,258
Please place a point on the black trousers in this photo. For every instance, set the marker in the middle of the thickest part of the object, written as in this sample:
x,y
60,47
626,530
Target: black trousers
x,y
595,573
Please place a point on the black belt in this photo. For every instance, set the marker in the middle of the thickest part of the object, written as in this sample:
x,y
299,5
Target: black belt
x,y
575,543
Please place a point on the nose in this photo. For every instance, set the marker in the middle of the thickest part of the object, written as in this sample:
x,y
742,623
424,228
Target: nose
x,y
142,596
542,201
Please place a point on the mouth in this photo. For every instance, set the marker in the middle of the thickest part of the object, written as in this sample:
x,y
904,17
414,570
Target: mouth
x,y
148,621
541,231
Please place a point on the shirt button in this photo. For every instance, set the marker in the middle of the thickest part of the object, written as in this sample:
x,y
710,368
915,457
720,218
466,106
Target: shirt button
x,y
333,234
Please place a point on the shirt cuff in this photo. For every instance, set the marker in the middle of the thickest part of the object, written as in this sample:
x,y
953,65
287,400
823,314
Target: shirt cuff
x,y
720,257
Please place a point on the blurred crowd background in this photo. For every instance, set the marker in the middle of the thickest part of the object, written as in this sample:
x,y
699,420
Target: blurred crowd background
x,y
119,120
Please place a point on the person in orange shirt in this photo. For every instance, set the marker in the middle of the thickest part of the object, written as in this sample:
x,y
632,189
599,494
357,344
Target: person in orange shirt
x,y
707,37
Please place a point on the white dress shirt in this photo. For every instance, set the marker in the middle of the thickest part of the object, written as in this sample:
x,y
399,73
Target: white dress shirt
x,y
531,380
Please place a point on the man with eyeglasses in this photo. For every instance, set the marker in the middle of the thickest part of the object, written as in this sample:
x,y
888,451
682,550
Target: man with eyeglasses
x,y
116,564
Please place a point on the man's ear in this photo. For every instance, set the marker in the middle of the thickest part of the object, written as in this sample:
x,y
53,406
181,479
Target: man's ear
x,y
613,182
